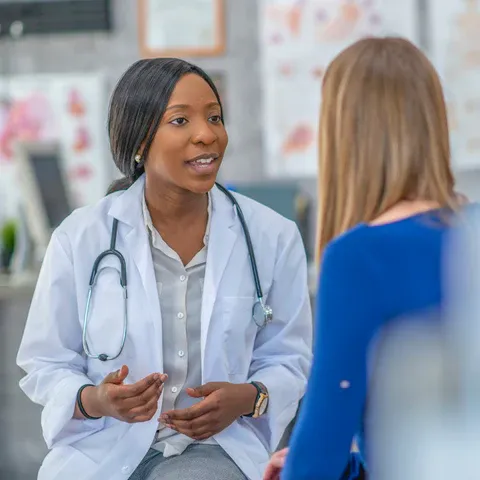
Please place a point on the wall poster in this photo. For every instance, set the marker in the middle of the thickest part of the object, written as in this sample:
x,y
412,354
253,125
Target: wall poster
x,y
70,109
455,52
298,39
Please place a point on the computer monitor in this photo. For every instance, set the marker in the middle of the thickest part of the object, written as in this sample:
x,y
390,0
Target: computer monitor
x,y
44,193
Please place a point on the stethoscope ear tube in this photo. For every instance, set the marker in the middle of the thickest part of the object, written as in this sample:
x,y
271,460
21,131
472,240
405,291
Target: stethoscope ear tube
x,y
111,251
265,316
248,240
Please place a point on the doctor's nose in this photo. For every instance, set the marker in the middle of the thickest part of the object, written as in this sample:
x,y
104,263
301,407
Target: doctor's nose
x,y
204,134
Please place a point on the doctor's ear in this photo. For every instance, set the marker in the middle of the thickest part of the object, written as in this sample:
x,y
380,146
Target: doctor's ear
x,y
139,165
139,156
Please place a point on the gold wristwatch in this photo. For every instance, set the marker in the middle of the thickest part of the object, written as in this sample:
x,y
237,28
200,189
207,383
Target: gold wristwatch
x,y
261,402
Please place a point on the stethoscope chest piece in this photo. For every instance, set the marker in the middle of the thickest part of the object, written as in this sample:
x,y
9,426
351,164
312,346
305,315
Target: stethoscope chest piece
x,y
262,314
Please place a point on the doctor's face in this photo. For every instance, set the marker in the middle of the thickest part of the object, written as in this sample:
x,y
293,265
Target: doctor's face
x,y
190,142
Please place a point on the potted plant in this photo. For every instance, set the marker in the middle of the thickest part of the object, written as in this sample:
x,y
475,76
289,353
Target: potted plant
x,y
8,235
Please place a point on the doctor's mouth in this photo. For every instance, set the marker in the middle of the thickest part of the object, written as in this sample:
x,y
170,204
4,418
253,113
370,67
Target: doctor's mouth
x,y
204,164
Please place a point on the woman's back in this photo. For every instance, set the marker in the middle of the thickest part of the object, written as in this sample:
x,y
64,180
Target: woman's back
x,y
384,157
404,262
370,276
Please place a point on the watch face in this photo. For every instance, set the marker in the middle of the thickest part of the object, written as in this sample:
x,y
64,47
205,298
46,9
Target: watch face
x,y
263,407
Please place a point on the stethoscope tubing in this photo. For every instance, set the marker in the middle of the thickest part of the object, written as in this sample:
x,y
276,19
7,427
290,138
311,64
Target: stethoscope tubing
x,y
267,311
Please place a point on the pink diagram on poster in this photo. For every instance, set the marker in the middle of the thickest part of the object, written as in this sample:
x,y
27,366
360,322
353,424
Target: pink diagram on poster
x,y
28,119
81,172
69,109
82,140
299,139
298,40
76,104
318,72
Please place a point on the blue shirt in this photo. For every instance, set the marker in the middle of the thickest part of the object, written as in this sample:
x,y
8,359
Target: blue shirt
x,y
369,276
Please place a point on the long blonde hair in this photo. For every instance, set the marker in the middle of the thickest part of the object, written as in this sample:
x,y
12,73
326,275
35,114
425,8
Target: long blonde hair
x,y
383,135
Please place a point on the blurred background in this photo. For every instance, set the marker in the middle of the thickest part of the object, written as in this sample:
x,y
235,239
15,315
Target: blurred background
x,y
60,59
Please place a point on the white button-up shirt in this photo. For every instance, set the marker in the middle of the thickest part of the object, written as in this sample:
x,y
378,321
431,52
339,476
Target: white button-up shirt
x,y
180,290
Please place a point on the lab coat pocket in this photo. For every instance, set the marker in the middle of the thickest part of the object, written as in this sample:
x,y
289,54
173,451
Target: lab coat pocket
x,y
240,333
106,320
66,462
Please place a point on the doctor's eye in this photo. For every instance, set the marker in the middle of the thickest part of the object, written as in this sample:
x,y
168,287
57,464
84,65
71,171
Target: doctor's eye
x,y
216,119
179,121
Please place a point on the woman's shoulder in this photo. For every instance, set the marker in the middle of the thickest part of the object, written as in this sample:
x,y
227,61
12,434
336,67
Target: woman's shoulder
x,y
351,242
378,244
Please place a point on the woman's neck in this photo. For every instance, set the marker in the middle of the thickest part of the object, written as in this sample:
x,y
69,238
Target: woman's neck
x,y
404,209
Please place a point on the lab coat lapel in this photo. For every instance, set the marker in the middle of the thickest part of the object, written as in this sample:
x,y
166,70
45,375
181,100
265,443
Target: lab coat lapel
x,y
127,208
220,246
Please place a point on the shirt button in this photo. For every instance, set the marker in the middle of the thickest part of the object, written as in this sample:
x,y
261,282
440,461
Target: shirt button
x,y
174,389
126,470
180,315
183,278
181,353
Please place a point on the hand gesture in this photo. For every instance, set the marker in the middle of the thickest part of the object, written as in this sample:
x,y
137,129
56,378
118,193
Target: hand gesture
x,y
222,404
128,403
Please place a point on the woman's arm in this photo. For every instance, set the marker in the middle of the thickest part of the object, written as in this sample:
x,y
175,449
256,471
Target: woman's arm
x,y
333,406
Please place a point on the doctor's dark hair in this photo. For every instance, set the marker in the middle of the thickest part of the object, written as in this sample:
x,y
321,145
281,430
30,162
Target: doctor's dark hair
x,y
137,106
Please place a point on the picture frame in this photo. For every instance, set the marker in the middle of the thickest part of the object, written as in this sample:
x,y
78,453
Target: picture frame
x,y
181,28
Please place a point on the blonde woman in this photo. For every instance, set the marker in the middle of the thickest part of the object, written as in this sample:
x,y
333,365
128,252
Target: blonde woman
x,y
385,174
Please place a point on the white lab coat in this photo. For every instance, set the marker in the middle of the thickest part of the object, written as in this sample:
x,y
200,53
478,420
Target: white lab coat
x,y
232,348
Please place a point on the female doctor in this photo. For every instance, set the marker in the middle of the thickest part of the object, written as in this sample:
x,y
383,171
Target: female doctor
x,y
154,346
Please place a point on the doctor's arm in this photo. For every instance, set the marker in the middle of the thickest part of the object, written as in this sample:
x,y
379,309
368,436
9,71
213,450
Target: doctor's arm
x,y
282,352
51,349
51,353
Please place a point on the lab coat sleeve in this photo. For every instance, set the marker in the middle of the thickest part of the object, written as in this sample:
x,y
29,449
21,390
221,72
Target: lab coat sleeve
x,y
51,349
283,350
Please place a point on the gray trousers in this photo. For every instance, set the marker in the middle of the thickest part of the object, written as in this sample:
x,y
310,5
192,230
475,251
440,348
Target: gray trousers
x,y
197,462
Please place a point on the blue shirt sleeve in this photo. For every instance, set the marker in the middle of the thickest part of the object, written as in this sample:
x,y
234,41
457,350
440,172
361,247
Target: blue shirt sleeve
x,y
333,405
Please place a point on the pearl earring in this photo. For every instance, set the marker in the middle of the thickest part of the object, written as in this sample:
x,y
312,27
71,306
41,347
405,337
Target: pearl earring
x,y
138,157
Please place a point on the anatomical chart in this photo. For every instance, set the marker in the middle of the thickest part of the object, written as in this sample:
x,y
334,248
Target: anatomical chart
x,y
455,51
70,109
299,38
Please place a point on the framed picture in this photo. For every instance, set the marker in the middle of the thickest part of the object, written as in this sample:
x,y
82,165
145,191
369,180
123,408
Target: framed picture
x,y
181,28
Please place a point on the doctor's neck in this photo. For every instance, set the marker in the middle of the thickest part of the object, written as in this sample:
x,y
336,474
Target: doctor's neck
x,y
173,205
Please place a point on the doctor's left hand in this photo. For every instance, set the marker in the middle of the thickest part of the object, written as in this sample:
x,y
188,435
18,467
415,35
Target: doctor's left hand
x,y
222,404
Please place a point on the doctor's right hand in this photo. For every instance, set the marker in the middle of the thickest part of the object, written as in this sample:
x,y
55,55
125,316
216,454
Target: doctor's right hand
x,y
128,403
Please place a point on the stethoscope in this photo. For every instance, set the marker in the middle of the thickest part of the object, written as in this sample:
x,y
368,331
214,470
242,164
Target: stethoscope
x,y
262,314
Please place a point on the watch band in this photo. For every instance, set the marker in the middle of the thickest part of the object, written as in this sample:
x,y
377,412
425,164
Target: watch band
x,y
261,392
